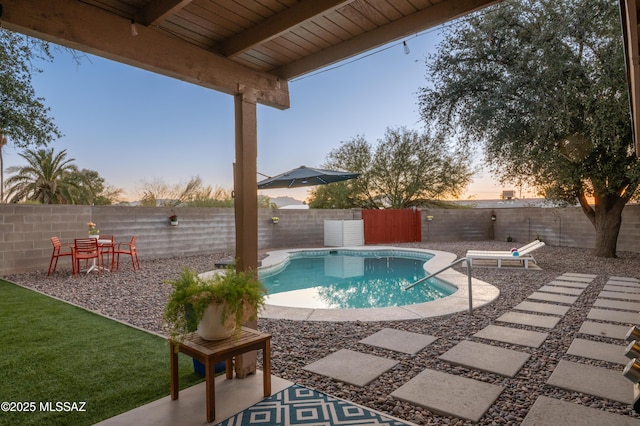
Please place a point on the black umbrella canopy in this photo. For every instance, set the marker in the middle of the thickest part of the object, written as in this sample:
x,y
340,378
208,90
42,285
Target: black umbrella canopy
x,y
305,176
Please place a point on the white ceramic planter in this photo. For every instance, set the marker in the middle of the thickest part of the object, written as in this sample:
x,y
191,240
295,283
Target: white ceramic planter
x,y
211,326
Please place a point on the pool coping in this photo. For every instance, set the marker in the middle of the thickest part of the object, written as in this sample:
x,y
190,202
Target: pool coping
x,y
482,292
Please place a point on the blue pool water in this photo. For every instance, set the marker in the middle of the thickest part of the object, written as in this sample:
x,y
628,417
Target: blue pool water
x,y
342,279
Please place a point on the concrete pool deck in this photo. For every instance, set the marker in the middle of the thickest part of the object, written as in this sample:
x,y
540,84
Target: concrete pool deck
x,y
482,292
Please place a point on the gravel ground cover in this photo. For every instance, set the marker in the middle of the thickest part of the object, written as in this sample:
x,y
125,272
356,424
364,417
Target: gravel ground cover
x,y
138,298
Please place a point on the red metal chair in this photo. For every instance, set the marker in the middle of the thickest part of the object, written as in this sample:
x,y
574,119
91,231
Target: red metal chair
x,y
107,245
60,250
127,249
85,249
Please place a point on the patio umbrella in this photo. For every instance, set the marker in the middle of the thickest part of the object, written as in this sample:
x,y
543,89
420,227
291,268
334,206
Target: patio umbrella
x,y
305,176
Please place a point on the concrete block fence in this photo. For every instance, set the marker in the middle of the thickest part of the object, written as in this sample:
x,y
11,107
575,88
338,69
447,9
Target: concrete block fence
x,y
566,227
25,230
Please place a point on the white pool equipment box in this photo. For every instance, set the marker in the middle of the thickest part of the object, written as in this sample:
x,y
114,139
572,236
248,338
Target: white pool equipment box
x,y
341,233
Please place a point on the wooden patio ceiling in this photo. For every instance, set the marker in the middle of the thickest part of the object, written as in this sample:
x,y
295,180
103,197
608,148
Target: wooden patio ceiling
x,y
233,45
229,45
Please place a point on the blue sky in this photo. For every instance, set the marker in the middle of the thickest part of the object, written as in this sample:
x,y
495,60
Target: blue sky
x,y
132,126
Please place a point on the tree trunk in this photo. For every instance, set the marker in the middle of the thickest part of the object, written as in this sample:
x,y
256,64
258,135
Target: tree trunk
x,y
608,219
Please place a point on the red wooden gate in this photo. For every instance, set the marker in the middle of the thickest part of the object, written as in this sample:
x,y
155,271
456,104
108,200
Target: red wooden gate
x,y
391,226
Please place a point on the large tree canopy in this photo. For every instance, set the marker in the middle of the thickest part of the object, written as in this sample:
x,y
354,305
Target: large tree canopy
x,y
24,119
542,85
405,169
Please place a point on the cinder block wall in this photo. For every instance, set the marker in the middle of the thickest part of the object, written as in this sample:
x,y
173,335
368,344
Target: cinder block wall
x,y
567,227
299,228
25,230
457,225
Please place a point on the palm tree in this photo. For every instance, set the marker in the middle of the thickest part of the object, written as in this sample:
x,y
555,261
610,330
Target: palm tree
x,y
48,179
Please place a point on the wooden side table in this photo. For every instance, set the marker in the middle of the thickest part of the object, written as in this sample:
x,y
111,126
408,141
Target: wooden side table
x,y
211,352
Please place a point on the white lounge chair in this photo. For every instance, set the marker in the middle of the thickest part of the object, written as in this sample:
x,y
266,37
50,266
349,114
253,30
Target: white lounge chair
x,y
533,245
524,255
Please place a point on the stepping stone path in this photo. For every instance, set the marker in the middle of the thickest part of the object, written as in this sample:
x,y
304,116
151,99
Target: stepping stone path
x,y
469,399
569,284
449,395
598,381
492,359
610,307
598,350
619,296
615,304
347,366
562,290
612,331
398,340
548,297
614,316
621,288
549,411
544,308
542,321
516,336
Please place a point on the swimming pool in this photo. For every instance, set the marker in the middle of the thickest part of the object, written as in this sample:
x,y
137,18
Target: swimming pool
x,y
483,293
351,279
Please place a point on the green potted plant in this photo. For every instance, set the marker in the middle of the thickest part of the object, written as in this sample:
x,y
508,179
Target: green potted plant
x,y
230,298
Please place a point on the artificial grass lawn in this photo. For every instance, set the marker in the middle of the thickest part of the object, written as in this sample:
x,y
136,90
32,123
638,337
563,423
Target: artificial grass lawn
x,y
53,352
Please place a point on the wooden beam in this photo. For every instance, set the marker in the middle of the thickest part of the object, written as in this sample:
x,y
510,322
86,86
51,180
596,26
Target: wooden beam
x,y
77,25
632,50
245,181
159,10
278,24
426,18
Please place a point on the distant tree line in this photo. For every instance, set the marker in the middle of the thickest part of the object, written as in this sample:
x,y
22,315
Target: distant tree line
x,y
404,169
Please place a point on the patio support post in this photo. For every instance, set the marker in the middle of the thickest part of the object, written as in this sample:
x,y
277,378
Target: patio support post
x,y
246,201
245,180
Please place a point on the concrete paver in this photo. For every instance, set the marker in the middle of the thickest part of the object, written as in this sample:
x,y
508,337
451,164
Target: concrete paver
x,y
399,340
598,350
614,316
582,278
493,359
569,284
629,279
592,380
624,283
516,336
543,308
577,274
617,304
543,321
619,296
549,411
351,367
621,288
605,330
547,297
449,395
561,290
